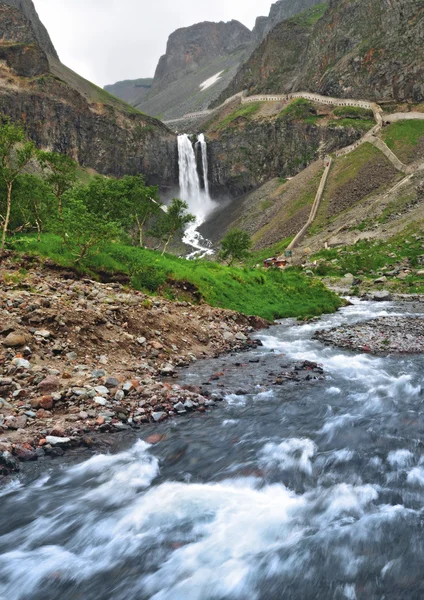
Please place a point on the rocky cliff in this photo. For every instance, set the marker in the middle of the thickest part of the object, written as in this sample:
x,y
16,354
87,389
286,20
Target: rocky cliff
x,y
280,11
41,34
63,112
191,48
250,144
361,49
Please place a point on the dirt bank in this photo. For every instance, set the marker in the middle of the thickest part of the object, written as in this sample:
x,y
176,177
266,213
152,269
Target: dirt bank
x,y
79,357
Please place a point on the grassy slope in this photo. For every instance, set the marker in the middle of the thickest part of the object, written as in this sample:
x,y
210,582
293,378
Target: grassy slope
x,y
269,294
403,137
369,260
345,170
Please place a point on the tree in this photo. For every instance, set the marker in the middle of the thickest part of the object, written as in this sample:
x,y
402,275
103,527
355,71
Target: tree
x,y
15,154
127,201
34,203
173,221
235,245
60,174
83,231
143,202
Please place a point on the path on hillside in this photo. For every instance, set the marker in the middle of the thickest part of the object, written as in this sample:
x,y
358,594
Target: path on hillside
x,y
371,137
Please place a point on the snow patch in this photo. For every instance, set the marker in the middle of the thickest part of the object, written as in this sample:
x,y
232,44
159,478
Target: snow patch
x,y
210,82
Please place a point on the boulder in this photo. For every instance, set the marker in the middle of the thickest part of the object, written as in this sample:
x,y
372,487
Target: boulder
x,y
49,385
383,296
15,340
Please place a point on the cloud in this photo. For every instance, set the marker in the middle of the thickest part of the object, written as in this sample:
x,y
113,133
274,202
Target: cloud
x,y
110,40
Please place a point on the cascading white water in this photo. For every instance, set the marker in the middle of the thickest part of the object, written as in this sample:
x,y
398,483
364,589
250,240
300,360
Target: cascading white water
x,y
199,201
204,149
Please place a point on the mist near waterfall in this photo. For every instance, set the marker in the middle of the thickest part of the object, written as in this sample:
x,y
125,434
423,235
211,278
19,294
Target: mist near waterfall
x,y
198,198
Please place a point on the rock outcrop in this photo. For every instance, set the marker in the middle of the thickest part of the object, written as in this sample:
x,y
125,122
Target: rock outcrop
x,y
244,157
280,11
42,36
356,49
65,113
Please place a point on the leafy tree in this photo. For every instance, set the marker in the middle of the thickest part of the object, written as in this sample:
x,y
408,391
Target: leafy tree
x,y
83,231
172,222
15,153
127,201
143,203
235,245
34,203
60,174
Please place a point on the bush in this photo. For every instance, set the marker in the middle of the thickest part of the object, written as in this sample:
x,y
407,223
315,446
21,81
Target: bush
x,y
149,278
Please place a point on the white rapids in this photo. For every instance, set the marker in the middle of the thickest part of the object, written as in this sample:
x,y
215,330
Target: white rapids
x,y
311,492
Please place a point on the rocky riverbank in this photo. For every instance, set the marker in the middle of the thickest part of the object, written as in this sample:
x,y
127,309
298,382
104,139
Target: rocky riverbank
x,y
384,335
78,357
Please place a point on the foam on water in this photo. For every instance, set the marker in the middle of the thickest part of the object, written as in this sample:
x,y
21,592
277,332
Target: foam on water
x,y
320,497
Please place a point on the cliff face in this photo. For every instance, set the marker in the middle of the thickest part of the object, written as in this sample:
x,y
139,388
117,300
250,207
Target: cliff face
x,y
281,11
27,8
63,112
242,159
361,49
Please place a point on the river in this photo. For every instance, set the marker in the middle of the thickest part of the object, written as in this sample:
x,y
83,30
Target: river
x,y
303,491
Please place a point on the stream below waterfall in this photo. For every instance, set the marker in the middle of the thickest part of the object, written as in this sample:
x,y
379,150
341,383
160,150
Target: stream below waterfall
x,y
311,490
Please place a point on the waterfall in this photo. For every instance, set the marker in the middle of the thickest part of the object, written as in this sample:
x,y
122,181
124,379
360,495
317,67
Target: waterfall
x,y
204,149
199,202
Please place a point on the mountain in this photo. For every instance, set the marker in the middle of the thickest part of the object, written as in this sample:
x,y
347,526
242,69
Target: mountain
x,y
361,49
132,91
42,36
200,62
66,113
194,55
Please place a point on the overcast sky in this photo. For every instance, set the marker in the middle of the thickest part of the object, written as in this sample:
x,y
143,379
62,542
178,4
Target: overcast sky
x,y
110,40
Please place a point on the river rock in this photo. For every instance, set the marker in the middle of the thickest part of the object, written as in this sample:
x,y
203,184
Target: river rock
x,y
15,340
21,363
48,385
57,441
158,416
383,296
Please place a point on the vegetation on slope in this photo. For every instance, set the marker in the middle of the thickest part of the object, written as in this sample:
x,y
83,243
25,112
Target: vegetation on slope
x,y
269,294
309,17
370,260
403,138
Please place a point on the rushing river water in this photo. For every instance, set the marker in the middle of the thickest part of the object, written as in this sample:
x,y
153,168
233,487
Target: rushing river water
x,y
305,491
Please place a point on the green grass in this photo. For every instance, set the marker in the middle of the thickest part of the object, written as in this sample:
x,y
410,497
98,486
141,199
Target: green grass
x,y
270,294
345,169
298,109
361,124
366,259
309,17
242,112
353,112
402,137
